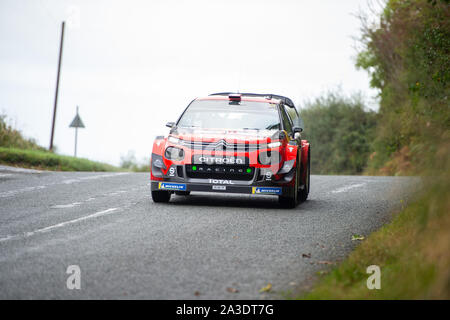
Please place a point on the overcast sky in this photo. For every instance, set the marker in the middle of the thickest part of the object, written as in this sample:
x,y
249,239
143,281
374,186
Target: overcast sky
x,y
132,66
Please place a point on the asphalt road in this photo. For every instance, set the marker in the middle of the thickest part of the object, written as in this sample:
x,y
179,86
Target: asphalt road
x,y
195,247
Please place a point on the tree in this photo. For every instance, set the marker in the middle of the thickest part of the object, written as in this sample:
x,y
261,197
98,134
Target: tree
x,y
340,131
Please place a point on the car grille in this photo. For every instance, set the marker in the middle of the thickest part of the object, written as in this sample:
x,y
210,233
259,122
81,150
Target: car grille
x,y
223,145
223,172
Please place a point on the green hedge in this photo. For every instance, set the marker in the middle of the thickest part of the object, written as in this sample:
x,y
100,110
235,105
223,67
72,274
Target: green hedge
x,y
49,161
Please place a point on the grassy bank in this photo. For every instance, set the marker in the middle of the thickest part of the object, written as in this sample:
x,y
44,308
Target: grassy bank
x,y
19,151
38,159
413,253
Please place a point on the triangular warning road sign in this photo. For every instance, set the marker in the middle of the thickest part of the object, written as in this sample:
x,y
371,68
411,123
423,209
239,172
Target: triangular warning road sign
x,y
76,122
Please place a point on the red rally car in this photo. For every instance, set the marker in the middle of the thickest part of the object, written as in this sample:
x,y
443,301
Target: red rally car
x,y
234,143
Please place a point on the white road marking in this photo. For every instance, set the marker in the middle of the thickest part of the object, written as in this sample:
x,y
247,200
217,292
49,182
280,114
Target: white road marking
x,y
110,194
68,181
59,225
5,175
347,188
21,170
13,192
64,206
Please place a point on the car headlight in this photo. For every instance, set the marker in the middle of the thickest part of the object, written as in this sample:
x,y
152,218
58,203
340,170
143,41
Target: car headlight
x,y
174,140
274,144
173,153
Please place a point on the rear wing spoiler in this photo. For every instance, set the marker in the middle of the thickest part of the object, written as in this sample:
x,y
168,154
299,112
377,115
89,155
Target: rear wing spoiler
x,y
285,100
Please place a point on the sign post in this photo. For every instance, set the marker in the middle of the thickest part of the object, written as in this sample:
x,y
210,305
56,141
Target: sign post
x,y
76,123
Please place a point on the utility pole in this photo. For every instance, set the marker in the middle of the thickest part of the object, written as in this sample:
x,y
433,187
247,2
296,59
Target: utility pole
x,y
57,86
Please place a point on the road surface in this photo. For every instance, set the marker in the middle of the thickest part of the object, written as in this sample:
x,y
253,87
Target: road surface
x,y
203,246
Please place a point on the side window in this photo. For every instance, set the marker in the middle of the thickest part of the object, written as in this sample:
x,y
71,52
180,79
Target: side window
x,y
289,116
293,116
286,121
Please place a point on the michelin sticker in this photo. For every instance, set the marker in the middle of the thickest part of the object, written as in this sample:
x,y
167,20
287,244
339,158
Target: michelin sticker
x,y
172,186
263,190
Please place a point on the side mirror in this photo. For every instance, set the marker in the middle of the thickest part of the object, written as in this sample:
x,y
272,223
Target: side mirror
x,y
296,132
170,124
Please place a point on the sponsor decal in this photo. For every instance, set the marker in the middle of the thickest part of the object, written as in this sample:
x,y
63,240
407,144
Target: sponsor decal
x,y
222,160
266,190
219,181
219,188
172,186
172,172
216,160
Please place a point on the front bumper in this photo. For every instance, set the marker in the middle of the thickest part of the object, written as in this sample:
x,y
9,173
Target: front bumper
x,y
257,183
221,188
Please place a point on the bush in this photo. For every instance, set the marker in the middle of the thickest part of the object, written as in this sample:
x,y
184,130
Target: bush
x,y
13,138
129,162
340,131
408,58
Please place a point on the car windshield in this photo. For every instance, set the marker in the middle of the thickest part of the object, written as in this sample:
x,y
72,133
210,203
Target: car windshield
x,y
224,114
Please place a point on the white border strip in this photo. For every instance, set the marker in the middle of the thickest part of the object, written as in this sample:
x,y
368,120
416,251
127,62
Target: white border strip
x,y
56,226
349,187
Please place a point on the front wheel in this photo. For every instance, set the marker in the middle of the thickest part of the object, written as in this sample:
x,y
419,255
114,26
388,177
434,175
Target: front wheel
x,y
292,200
303,193
160,196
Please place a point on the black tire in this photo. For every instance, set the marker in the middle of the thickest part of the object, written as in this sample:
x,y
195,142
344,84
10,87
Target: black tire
x,y
161,196
303,193
291,201
182,193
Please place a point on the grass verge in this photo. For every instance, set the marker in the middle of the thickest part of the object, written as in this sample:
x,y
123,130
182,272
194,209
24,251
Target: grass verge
x,y
38,159
413,253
